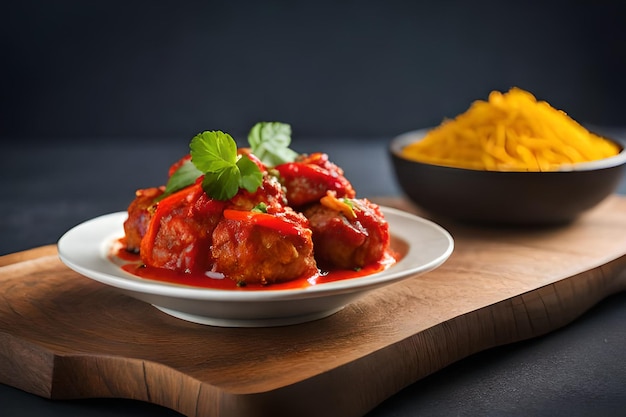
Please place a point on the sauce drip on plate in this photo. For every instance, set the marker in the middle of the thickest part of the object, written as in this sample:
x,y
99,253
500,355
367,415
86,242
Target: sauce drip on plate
x,y
132,264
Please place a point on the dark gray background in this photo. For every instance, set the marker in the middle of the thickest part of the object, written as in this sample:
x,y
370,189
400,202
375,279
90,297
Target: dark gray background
x,y
168,69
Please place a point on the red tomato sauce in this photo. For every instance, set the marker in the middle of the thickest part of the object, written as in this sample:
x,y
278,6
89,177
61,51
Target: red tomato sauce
x,y
132,264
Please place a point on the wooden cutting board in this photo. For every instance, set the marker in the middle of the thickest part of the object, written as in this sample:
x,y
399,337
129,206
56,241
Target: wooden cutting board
x,y
63,336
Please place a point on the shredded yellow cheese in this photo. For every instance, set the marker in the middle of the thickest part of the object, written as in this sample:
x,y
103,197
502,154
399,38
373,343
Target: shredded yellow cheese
x,y
510,132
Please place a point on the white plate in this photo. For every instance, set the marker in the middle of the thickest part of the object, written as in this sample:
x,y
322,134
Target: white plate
x,y
85,249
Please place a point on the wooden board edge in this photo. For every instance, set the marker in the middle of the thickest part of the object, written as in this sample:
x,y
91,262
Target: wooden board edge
x,y
26,366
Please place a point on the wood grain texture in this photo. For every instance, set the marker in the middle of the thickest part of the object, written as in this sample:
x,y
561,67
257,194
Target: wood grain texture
x,y
64,336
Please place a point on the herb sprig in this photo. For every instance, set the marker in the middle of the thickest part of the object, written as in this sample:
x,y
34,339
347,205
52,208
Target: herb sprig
x,y
214,155
270,141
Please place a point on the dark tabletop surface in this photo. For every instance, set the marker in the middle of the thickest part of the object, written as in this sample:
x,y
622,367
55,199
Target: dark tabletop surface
x,y
49,187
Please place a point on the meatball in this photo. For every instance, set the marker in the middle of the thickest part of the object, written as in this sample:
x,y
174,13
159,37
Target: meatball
x,y
310,177
262,248
179,233
140,212
142,208
348,240
271,194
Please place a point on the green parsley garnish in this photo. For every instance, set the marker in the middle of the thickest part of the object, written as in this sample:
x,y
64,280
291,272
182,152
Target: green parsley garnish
x,y
183,177
269,141
214,155
260,208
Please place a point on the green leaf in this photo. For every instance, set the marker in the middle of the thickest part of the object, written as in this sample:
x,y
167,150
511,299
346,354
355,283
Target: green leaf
x,y
269,141
222,185
214,154
277,133
260,208
251,176
213,151
183,177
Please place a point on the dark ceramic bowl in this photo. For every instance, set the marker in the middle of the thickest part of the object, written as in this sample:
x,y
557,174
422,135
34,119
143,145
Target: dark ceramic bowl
x,y
505,198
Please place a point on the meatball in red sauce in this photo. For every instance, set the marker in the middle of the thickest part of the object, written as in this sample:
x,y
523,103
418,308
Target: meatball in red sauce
x,y
179,233
347,234
310,177
140,212
262,248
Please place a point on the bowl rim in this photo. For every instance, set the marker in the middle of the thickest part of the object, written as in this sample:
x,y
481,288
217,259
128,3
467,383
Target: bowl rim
x,y
400,141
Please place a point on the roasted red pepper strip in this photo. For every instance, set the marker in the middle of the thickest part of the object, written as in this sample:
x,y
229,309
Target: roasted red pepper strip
x,y
281,224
